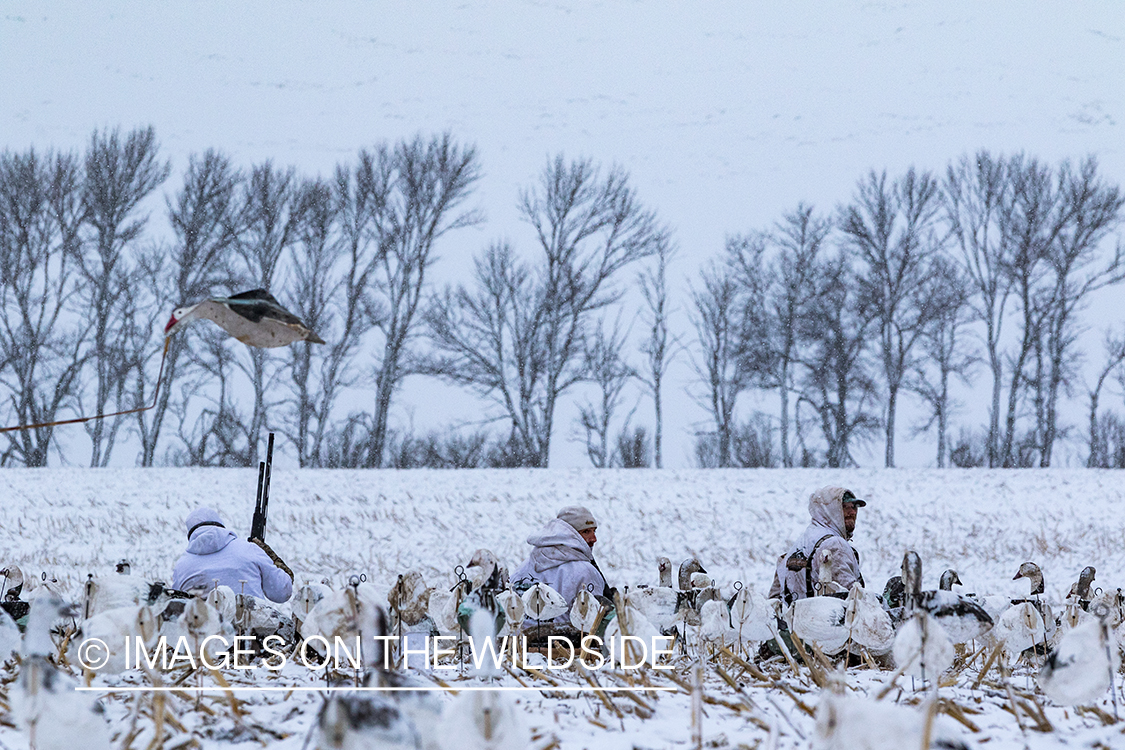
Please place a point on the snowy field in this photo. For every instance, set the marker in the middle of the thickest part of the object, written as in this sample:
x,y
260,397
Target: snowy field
x,y
332,524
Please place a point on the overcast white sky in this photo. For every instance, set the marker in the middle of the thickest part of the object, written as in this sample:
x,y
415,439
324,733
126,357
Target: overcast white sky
x,y
725,113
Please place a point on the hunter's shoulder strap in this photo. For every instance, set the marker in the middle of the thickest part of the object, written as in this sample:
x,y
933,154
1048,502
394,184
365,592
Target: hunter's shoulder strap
x,y
808,568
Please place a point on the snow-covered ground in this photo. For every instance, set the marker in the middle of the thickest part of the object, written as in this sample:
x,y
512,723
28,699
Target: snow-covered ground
x,y
72,522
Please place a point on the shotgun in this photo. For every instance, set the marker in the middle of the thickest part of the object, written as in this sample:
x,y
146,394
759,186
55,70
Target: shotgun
x,y
262,501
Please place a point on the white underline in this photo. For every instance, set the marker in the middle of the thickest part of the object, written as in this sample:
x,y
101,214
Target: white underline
x,y
310,689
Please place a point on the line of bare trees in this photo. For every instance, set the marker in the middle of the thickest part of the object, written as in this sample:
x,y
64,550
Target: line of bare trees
x,y
902,290
918,283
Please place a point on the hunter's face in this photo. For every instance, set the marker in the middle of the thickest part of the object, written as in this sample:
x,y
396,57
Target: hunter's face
x,y
851,510
590,535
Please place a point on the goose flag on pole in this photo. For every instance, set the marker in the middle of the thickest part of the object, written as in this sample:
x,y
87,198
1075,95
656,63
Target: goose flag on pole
x,y
255,318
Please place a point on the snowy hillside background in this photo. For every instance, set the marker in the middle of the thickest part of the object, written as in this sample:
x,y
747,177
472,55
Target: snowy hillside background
x,y
725,115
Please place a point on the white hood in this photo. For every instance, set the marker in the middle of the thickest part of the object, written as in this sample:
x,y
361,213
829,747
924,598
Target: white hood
x,y
556,544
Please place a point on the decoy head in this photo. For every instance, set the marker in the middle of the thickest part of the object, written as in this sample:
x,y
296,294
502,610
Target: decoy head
x,y
911,575
948,578
1085,580
180,316
1031,571
687,568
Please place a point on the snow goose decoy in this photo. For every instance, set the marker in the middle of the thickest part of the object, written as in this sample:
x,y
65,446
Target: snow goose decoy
x,y
485,571
255,318
114,626
754,616
483,720
45,701
586,613
922,647
688,568
867,622
359,722
854,723
1081,668
948,580
542,603
822,619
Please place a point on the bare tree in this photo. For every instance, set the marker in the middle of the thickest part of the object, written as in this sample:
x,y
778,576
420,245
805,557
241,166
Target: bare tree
x,y
42,335
608,371
633,448
1029,221
1090,210
327,293
975,191
517,337
890,230
204,221
416,189
120,173
719,319
659,347
1098,457
269,218
943,347
836,380
798,239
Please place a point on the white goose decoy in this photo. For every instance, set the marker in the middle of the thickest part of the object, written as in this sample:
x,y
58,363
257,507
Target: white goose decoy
x,y
754,616
10,636
922,647
631,621
306,598
854,723
715,623
821,619
511,604
255,318
662,605
867,622
409,599
483,720
103,593
1027,623
114,626
1081,668
586,612
11,582
485,571
222,599
1034,575
1077,602
689,567
543,603
44,701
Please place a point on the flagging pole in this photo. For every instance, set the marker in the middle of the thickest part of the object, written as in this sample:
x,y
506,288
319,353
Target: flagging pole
x,y
159,377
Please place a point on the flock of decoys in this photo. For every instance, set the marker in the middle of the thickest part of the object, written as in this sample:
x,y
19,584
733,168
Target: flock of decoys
x,y
917,632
